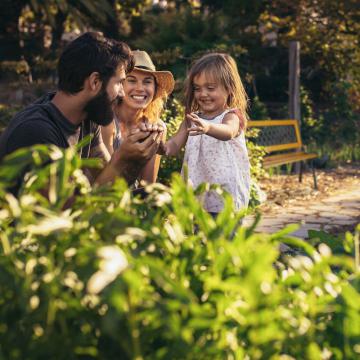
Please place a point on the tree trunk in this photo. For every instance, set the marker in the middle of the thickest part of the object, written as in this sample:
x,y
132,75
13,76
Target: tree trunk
x,y
111,27
58,31
10,11
294,87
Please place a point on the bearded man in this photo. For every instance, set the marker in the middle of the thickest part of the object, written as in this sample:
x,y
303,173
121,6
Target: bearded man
x,y
91,72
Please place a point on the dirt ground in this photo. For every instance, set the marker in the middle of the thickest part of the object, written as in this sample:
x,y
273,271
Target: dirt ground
x,y
285,190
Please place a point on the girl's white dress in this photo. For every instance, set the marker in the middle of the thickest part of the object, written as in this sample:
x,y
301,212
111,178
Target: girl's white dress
x,y
219,162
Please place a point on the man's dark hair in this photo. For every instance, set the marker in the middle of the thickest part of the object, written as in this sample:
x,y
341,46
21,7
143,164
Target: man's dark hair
x,y
91,52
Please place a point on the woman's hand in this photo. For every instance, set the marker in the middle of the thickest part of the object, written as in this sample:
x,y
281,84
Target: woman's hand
x,y
145,125
199,126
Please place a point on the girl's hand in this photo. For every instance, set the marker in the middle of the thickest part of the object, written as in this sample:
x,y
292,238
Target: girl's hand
x,y
199,126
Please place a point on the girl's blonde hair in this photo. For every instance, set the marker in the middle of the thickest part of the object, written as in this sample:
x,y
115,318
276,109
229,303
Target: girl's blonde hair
x,y
222,68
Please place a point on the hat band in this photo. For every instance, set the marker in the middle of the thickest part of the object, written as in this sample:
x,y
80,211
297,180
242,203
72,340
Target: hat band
x,y
144,67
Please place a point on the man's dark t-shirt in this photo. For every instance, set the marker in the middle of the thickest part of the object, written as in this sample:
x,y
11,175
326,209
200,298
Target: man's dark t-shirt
x,y
43,123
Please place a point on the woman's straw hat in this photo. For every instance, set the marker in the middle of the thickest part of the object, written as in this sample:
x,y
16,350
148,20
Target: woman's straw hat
x,y
164,79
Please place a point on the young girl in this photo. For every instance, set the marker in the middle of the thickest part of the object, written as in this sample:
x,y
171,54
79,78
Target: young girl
x,y
213,131
145,93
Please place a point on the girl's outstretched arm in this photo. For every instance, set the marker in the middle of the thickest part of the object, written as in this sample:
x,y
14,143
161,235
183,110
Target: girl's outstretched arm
x,y
173,146
227,130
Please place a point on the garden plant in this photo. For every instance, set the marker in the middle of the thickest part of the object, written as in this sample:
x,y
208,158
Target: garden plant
x,y
105,274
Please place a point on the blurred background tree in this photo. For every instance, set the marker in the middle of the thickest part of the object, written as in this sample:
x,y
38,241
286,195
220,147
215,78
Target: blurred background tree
x,y
176,32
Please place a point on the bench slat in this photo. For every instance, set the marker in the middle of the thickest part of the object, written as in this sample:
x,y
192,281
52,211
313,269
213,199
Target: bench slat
x,y
279,135
280,159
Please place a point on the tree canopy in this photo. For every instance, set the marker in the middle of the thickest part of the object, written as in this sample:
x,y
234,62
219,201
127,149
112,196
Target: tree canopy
x,y
255,32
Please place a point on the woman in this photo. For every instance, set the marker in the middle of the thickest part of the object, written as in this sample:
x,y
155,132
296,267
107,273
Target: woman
x,y
145,92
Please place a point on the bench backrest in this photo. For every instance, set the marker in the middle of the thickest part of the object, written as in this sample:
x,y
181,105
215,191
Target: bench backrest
x,y
276,135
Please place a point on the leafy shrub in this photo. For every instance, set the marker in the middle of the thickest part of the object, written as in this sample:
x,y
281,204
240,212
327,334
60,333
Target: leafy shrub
x,y
258,110
173,117
177,37
309,124
14,69
334,129
117,276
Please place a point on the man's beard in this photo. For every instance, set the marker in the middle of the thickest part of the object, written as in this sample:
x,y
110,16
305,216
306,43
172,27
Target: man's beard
x,y
100,109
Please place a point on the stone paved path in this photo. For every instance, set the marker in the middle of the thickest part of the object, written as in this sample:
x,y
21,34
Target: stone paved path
x,y
337,211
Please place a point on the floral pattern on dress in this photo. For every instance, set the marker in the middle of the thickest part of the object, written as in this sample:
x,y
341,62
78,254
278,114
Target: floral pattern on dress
x,y
219,162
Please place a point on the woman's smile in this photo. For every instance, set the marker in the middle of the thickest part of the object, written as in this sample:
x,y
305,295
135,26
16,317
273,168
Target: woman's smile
x,y
138,97
139,88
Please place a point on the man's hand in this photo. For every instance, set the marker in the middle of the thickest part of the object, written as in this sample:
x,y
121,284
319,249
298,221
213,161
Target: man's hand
x,y
139,145
199,126
135,150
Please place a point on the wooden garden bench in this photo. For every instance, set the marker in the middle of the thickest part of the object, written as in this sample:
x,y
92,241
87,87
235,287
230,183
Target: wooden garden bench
x,y
282,142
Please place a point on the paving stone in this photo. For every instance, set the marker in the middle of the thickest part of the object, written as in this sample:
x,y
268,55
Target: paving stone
x,y
294,208
272,223
314,226
348,198
293,216
301,233
323,207
341,222
301,211
338,210
316,220
354,205
350,212
267,230
351,204
334,216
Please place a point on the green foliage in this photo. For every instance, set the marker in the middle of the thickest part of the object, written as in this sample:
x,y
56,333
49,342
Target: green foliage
x,y
123,277
309,124
339,118
81,11
256,154
14,68
328,32
173,117
256,33
176,37
347,152
258,110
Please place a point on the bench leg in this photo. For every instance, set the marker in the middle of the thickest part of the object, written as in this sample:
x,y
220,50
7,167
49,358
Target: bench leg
x,y
300,171
314,175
